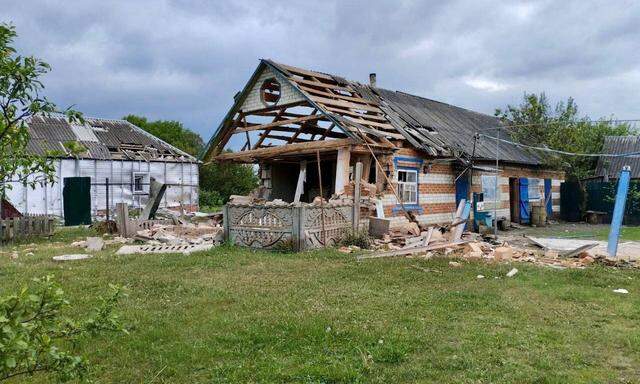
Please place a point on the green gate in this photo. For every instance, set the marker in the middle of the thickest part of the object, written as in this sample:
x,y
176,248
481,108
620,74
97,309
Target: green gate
x,y
77,200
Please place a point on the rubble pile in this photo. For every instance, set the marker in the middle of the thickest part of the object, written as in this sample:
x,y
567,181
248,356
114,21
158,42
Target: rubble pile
x,y
504,249
187,233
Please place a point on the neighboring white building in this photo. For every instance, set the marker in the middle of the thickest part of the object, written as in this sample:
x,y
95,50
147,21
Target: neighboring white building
x,y
117,151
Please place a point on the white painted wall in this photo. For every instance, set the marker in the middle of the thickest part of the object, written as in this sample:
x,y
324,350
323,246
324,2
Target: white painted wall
x,y
182,180
288,94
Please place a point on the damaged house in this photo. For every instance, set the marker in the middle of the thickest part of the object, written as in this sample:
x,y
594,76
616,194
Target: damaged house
x,y
422,156
100,163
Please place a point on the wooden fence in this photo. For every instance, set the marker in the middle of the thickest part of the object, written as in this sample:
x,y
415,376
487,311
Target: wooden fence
x,y
23,227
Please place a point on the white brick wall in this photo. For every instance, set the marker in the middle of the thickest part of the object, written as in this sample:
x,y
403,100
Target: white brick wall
x,y
288,94
437,178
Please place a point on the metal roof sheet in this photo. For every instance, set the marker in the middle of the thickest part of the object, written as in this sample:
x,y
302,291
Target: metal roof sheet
x,y
611,166
104,139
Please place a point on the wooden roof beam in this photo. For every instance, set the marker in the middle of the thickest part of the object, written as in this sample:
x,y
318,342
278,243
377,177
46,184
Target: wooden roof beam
x,y
278,123
288,149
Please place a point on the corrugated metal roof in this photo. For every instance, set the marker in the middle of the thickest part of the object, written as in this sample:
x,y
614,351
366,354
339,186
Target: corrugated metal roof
x,y
453,127
611,166
104,139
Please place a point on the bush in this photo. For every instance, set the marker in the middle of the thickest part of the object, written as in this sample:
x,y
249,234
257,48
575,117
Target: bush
x,y
228,179
34,332
358,238
210,198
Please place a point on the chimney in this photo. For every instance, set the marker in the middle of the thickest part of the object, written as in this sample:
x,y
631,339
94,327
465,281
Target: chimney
x,y
372,79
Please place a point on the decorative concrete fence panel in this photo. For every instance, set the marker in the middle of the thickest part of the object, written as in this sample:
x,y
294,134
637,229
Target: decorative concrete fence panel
x,y
298,226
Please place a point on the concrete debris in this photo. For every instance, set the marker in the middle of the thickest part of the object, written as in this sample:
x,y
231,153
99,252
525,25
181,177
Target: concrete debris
x,y
185,249
94,244
454,264
512,272
480,277
621,290
184,234
349,249
79,256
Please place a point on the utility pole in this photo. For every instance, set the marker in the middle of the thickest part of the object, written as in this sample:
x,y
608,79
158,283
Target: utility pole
x,y
618,210
495,193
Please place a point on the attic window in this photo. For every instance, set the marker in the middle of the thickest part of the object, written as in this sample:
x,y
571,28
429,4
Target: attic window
x,y
270,92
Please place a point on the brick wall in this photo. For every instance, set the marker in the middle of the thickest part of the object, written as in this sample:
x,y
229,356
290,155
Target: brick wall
x,y
436,187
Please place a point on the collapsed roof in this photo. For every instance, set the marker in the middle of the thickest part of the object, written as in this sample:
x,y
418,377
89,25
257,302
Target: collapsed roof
x,y
103,139
362,113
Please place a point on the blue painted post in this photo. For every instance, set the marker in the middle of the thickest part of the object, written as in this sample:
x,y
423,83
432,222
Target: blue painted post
x,y
618,210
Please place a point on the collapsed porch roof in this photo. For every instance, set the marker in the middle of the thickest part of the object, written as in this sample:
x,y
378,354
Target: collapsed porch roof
x,y
298,149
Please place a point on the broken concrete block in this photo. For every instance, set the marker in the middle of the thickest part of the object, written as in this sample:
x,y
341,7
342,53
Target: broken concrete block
x,y
551,254
586,260
163,248
378,227
71,257
503,253
238,199
94,244
512,272
620,290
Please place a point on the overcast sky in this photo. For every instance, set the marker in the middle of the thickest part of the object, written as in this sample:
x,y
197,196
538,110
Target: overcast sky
x,y
184,60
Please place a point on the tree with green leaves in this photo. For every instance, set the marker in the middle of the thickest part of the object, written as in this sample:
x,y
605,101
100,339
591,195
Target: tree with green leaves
x,y
217,182
534,122
37,338
171,131
20,99
225,180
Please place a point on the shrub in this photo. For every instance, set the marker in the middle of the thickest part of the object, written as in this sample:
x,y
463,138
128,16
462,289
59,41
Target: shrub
x,y
34,332
358,238
210,198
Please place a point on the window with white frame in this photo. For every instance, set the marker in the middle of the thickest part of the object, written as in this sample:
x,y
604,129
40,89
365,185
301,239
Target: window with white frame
x,y
408,185
140,182
490,189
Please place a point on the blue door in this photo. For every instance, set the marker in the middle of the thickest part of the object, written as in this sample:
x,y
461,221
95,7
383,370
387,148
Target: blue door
x,y
524,201
547,196
462,188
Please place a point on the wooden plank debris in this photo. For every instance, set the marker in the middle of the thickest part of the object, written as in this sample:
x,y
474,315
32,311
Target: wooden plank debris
x,y
413,250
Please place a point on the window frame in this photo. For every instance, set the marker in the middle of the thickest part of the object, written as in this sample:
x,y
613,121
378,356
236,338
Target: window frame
x,y
410,183
265,86
495,183
143,190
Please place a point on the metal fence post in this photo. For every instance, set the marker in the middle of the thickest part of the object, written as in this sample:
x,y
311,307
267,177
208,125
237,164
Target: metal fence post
x,y
618,211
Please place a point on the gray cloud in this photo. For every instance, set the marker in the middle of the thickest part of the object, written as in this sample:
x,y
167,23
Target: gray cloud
x,y
185,60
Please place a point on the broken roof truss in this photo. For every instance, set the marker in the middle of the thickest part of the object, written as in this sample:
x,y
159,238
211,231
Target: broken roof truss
x,y
326,112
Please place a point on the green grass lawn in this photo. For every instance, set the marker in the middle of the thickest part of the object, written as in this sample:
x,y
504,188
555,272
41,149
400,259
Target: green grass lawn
x,y
231,315
584,231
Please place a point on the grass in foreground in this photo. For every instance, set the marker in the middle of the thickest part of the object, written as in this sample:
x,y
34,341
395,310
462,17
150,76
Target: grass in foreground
x,y
232,315
584,231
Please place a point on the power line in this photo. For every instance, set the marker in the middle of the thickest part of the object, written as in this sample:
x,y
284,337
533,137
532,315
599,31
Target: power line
x,y
546,123
544,149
